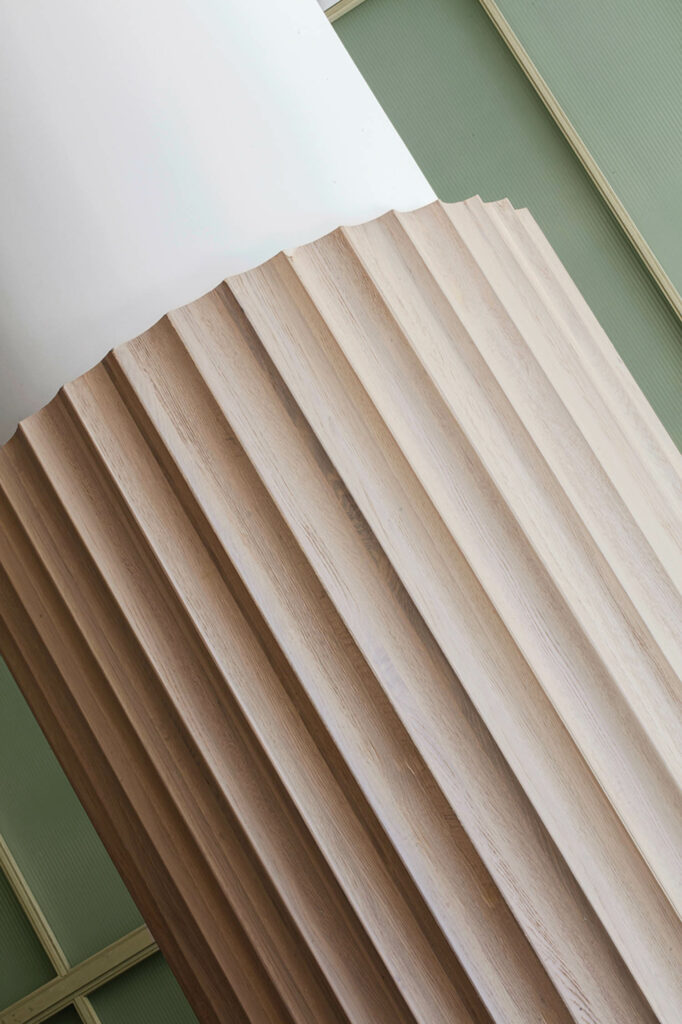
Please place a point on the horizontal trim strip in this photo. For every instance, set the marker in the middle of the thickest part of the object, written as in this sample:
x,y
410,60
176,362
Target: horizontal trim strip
x,y
342,7
82,979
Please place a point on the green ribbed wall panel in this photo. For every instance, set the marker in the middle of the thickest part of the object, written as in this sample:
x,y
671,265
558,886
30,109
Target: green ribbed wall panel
x,y
23,964
616,69
146,994
52,840
68,1016
475,125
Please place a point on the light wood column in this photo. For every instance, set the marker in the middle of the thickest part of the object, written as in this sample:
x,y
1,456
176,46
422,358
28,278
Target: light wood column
x,y
349,598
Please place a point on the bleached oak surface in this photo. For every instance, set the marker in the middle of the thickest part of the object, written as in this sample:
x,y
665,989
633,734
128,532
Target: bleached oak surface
x,y
349,597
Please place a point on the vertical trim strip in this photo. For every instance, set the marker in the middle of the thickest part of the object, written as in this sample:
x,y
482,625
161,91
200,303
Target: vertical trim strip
x,y
32,910
568,130
592,168
342,7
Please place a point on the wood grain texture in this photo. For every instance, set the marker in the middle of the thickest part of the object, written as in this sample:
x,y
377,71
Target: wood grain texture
x,y
349,597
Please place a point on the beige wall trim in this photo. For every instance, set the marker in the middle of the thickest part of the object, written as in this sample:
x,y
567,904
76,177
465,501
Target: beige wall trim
x,y
32,910
592,168
82,979
342,7
41,927
85,1011
584,155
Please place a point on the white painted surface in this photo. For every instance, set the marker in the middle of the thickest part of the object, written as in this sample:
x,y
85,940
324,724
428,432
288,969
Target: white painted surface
x,y
151,148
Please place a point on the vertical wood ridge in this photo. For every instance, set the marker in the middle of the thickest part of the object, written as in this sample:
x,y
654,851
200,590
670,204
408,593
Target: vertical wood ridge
x,y
378,747
302,359
640,657
131,830
483,509
591,345
348,596
207,717
309,681
282,770
639,653
605,434
501,409
187,738
325,515
663,488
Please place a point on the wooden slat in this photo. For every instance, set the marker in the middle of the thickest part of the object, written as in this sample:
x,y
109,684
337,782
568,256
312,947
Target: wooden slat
x,y
349,597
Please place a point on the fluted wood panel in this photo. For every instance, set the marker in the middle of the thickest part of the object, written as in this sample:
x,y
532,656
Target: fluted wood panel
x,y
349,596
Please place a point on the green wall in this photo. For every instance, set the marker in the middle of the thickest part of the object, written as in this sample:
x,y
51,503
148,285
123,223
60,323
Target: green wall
x,y
147,994
68,1016
616,68
476,126
23,964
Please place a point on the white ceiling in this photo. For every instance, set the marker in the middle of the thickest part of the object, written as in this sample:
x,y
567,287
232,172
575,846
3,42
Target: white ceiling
x,y
151,149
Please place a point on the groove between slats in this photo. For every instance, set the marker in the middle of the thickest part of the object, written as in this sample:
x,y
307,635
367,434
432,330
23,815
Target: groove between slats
x,y
663,509
324,514
515,423
287,329
356,582
617,537
185,670
405,395
191,882
116,816
392,760
345,845
286,600
644,431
